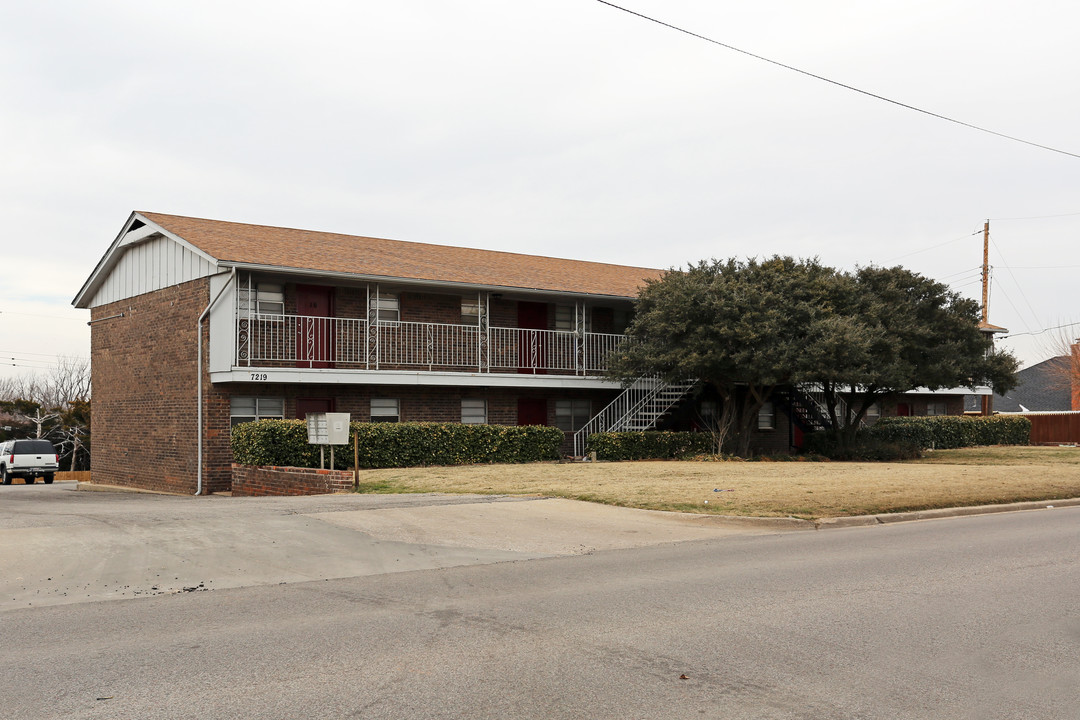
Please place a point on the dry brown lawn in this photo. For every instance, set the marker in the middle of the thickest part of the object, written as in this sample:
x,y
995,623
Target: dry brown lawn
x,y
946,478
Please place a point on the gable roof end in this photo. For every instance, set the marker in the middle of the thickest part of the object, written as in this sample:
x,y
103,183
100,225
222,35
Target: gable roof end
x,y
137,230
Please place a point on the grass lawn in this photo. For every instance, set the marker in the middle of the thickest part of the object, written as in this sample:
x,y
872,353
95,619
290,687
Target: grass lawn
x,y
945,478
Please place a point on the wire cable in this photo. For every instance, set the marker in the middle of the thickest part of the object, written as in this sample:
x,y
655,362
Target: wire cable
x,y
837,83
1040,332
1016,282
1038,217
933,247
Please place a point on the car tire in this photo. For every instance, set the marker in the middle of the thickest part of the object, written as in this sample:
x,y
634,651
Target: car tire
x,y
48,479
6,475
28,481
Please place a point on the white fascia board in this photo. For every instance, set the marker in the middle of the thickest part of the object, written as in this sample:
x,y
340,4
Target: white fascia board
x,y
269,376
977,390
453,286
119,246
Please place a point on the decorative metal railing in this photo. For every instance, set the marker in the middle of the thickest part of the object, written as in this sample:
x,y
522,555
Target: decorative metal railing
x,y
638,407
313,342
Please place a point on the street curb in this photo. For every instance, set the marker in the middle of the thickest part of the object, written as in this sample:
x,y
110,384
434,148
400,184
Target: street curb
x,y
887,518
98,487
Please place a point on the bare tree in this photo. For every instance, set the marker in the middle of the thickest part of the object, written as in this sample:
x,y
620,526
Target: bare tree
x,y
53,404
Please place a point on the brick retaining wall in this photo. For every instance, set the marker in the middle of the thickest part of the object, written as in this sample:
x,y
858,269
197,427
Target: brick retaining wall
x,y
253,480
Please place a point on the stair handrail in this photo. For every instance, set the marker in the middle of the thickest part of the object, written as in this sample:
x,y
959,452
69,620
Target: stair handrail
x,y
619,411
633,397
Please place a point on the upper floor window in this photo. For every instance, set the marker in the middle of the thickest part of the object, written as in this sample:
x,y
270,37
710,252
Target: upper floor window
x,y
470,311
263,299
387,307
566,318
473,411
248,409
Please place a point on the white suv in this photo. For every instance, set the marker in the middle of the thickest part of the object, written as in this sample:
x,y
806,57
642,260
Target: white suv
x,y
28,459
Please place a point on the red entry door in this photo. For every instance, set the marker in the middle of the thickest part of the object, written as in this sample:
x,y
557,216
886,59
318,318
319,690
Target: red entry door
x,y
903,410
532,411
313,405
314,327
532,319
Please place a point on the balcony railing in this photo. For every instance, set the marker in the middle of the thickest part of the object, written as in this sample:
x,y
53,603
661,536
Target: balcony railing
x,y
347,343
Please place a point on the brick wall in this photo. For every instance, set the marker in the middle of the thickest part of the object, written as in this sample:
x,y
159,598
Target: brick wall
x,y
251,480
143,374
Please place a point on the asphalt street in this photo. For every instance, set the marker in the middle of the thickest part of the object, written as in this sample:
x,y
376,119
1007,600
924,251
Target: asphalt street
x,y
970,617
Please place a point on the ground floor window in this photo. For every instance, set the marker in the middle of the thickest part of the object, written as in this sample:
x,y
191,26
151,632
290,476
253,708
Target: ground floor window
x,y
766,417
873,412
385,410
937,408
473,412
572,415
248,409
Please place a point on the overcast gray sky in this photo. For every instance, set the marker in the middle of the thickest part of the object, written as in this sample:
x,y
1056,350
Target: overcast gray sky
x,y
557,127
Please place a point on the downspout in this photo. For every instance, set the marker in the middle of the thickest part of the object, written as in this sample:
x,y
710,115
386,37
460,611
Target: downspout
x,y
198,401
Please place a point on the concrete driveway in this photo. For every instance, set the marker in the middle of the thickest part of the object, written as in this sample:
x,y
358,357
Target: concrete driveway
x,y
65,546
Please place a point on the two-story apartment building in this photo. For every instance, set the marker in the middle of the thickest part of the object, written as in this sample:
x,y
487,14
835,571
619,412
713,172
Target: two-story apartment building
x,y
200,324
197,325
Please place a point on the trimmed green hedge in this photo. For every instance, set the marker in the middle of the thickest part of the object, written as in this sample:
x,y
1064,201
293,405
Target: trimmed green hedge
x,y
865,449
953,431
650,445
383,445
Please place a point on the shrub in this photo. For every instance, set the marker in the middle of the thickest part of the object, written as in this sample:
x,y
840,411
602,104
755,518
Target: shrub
x,y
650,445
864,449
953,431
381,445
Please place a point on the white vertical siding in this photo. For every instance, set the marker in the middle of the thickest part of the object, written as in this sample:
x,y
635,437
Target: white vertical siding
x,y
148,266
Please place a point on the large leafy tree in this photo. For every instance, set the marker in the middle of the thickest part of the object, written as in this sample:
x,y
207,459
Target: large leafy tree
x,y
897,331
748,327
739,326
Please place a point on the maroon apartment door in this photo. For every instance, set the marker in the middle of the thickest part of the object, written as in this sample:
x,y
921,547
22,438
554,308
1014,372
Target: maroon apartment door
x,y
314,328
532,411
313,405
531,345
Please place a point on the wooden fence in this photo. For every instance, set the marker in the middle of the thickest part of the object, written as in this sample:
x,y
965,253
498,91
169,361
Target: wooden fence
x,y
1054,428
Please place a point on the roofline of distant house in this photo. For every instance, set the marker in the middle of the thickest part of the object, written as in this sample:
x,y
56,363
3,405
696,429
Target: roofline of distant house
x,y
362,277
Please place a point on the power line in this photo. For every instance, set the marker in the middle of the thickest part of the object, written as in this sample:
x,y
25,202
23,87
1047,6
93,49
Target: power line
x,y
1040,332
1019,287
55,317
834,82
1038,217
52,355
934,247
1039,267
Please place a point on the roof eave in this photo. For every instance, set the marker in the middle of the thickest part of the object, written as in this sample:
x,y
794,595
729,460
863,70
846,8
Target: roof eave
x,y
458,286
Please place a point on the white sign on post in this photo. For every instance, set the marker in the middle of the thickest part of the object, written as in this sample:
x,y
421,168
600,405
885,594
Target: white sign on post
x,y
328,429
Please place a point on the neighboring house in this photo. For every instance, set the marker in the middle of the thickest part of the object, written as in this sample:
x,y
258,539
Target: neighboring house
x,y
197,325
1041,387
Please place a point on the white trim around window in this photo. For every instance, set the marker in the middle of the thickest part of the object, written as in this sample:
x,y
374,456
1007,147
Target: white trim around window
x,y
385,410
473,411
248,409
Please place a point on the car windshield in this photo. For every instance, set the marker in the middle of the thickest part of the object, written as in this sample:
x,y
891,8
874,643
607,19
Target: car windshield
x,y
33,447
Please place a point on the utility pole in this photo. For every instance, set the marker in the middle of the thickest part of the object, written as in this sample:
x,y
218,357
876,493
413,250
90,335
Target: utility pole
x,y
985,326
986,273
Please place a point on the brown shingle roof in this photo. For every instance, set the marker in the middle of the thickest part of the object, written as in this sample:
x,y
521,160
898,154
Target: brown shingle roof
x,y
335,253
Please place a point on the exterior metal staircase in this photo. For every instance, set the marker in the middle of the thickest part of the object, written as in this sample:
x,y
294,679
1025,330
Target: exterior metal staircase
x,y
638,407
809,407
